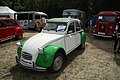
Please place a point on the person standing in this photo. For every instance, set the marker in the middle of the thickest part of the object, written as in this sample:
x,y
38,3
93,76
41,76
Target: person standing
x,y
90,25
117,37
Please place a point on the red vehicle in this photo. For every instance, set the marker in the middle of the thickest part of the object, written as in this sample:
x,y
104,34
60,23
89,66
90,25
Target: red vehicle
x,y
9,28
106,23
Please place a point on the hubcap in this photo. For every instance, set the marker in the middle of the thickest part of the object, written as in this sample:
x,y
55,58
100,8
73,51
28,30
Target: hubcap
x,y
58,63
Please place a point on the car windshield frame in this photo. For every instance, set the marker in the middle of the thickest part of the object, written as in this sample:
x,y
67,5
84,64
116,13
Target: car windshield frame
x,y
56,26
106,18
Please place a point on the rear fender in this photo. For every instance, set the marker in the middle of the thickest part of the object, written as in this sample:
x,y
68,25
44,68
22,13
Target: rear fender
x,y
83,37
18,31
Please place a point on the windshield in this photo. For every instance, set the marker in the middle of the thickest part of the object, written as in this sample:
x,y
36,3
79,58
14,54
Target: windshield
x,y
71,14
55,26
24,16
106,18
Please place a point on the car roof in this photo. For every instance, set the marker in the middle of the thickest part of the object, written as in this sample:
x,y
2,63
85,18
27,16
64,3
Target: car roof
x,y
64,20
109,13
42,13
72,10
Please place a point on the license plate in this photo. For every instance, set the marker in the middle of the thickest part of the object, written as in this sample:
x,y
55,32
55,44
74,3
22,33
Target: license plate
x,y
101,33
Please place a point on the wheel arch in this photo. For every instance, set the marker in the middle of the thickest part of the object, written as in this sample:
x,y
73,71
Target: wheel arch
x,y
49,54
18,31
61,50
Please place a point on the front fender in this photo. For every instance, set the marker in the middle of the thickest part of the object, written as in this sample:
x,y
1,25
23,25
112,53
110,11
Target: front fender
x,y
46,59
19,49
18,31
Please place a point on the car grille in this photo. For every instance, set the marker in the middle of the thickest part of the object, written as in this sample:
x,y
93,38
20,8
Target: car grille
x,y
101,28
27,56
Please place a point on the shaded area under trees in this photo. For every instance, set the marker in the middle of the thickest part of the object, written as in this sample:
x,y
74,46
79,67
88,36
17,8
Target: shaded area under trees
x,y
54,8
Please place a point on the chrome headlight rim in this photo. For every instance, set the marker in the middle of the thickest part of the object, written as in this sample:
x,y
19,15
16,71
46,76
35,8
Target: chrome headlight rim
x,y
40,50
19,44
110,27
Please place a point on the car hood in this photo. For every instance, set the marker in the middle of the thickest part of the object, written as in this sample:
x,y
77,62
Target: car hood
x,y
38,41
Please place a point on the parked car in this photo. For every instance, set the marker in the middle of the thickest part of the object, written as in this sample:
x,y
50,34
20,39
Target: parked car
x,y
106,24
9,28
74,13
48,49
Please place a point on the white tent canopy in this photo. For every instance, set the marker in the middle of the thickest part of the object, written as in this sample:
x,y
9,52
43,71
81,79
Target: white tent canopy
x,y
6,11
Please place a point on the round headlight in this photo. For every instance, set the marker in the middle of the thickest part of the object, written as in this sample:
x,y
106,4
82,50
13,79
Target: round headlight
x,y
18,44
40,50
95,25
110,27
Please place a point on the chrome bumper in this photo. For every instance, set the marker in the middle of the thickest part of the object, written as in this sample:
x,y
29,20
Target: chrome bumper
x,y
32,68
102,35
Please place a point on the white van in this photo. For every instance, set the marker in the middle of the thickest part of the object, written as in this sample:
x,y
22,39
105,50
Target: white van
x,y
28,19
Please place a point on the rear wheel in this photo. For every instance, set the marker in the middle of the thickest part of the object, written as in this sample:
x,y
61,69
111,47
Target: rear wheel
x,y
19,36
81,46
57,63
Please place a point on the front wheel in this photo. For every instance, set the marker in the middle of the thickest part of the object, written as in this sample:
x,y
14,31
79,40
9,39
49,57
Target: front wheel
x,y
57,63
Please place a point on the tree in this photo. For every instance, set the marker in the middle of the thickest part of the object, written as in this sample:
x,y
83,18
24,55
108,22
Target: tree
x,y
54,8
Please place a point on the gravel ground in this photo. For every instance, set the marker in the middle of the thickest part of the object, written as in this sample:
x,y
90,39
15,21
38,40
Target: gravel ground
x,y
96,62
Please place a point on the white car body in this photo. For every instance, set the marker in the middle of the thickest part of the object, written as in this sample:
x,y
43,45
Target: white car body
x,y
67,40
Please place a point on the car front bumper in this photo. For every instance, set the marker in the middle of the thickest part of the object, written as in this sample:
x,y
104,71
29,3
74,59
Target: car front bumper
x,y
33,67
102,35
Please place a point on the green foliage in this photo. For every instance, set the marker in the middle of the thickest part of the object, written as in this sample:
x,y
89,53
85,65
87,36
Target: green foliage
x,y
54,8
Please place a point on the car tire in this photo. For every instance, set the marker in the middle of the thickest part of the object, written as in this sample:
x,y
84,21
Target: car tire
x,y
81,46
57,63
19,36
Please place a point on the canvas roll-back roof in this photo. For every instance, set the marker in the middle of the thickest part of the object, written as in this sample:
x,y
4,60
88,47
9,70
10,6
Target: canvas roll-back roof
x,y
74,10
59,20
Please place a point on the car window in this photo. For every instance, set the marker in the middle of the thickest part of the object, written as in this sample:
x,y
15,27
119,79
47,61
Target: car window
x,y
14,23
81,24
71,28
77,26
30,17
44,16
37,16
23,16
55,27
9,23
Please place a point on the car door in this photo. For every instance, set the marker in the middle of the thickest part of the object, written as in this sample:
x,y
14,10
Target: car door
x,y
77,35
70,37
2,30
10,28
13,26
